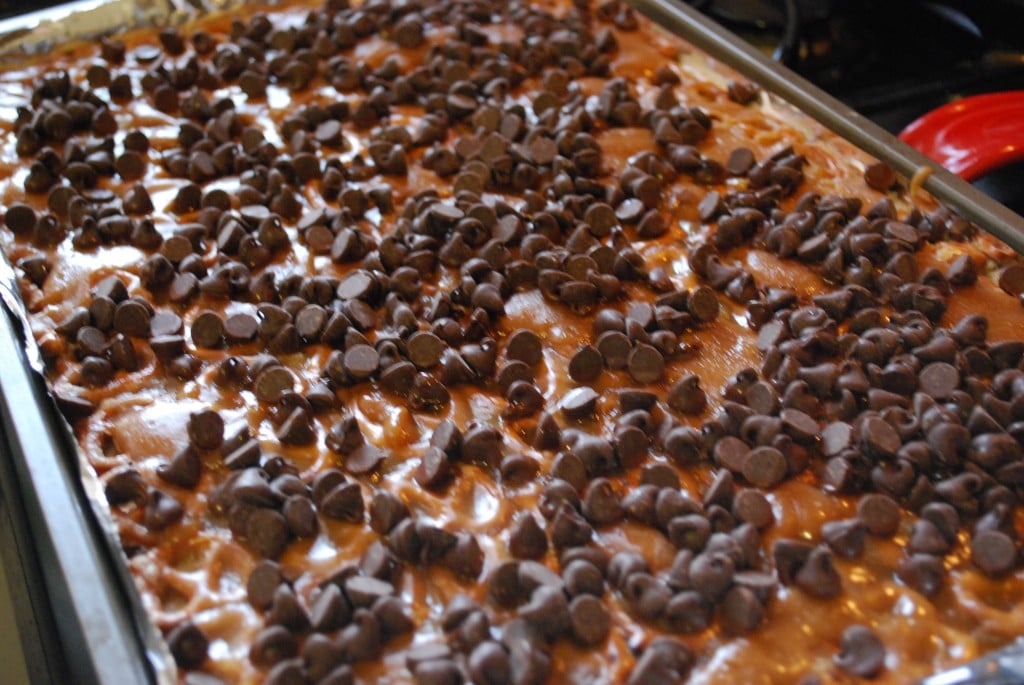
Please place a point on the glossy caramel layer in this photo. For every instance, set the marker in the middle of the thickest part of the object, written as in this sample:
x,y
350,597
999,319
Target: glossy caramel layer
x,y
197,569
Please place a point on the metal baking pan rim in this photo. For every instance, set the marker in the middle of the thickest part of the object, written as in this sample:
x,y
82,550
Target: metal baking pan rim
x,y
94,622
678,18
65,526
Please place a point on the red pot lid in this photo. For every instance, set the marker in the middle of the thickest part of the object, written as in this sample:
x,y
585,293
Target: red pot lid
x,y
973,135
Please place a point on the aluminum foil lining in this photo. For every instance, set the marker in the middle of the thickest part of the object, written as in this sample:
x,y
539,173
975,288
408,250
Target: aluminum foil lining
x,y
37,32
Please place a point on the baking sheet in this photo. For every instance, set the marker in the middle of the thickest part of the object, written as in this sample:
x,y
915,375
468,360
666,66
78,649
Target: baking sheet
x,y
106,631
98,610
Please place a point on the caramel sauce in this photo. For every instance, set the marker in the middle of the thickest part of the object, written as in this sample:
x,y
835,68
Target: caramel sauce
x,y
196,569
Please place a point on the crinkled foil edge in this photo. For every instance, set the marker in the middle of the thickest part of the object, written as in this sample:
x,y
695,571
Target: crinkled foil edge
x,y
37,33
154,646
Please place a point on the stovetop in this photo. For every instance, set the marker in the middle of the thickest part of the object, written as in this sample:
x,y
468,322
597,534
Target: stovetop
x,y
886,56
893,60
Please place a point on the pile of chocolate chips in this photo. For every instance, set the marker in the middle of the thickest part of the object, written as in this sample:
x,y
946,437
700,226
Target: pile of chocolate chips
x,y
862,385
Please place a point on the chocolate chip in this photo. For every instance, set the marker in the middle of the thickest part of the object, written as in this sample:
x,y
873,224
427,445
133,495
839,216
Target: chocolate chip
x,y
765,467
788,556
437,672
503,586
817,575
569,529
615,349
262,583
686,395
743,92
386,511
547,610
95,372
524,399
836,437
188,645
799,426
252,487
272,383
579,403
878,438
601,504
512,372
391,617
880,514
711,574
740,161
938,380
646,595
183,287
751,506
703,304
879,176
424,349
361,361
586,365
289,672
1012,280
363,591
926,537
164,323
343,502
246,455
589,619
20,218
207,330
525,346
183,470
666,660
582,577
271,645
300,515
285,610
434,471
962,271
482,445
845,537
527,539
489,664
645,364
408,32
861,652
361,639
730,452
689,532
365,459
740,612
687,611
923,572
447,437
267,532
993,552
398,377
542,150
206,429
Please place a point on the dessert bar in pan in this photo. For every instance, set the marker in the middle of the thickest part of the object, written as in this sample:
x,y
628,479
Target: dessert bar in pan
x,y
469,342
